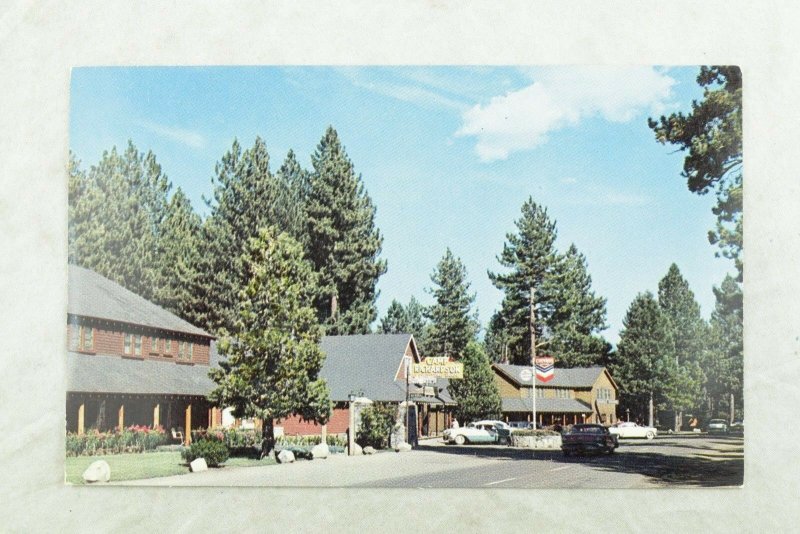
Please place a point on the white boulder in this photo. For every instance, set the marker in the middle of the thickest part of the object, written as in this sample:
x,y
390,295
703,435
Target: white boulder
x,y
320,451
98,471
369,450
402,447
357,450
285,456
198,464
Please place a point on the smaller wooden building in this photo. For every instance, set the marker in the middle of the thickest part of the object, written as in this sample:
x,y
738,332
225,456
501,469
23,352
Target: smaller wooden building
x,y
577,395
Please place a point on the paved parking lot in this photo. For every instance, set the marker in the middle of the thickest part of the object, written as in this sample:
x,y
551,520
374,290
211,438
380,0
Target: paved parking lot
x,y
671,461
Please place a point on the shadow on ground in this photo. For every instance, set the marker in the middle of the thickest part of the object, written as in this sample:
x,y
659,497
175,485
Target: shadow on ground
x,y
693,469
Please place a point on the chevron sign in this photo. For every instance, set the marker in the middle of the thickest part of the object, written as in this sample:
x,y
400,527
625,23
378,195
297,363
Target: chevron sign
x,y
544,368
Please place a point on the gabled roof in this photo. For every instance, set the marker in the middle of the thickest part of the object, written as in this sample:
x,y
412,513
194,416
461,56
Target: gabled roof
x,y
98,373
367,365
577,377
544,405
92,295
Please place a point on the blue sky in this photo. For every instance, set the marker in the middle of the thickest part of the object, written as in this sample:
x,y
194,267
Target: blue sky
x,y
448,155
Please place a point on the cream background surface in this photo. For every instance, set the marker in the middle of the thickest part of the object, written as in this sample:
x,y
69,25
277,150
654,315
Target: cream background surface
x,y
41,40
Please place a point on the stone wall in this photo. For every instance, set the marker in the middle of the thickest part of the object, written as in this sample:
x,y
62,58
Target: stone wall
x,y
536,442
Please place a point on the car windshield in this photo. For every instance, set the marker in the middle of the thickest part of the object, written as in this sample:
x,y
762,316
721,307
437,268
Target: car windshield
x,y
717,421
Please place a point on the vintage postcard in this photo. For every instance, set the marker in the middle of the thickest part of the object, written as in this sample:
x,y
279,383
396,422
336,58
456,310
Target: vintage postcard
x,y
405,277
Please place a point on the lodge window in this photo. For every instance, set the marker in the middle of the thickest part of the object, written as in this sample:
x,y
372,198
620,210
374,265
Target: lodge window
x,y
137,347
604,394
87,338
185,350
132,345
563,394
128,344
539,393
168,346
154,345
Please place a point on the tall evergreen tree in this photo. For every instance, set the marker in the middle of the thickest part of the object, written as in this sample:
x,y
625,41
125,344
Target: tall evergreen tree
x,y
712,137
687,337
179,247
343,243
293,185
568,313
477,394
394,322
115,214
724,359
272,358
407,319
452,323
643,366
246,199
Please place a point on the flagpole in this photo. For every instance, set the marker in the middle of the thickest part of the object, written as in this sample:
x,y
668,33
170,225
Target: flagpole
x,y
533,360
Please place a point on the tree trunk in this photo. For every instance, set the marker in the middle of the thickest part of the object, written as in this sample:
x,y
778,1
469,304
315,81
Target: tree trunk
x,y
267,437
650,411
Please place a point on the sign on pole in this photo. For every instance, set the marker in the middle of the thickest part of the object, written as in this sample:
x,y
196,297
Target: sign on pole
x,y
439,366
526,375
544,368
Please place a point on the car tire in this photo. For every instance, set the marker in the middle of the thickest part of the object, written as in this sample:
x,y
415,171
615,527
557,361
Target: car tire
x,y
650,435
460,440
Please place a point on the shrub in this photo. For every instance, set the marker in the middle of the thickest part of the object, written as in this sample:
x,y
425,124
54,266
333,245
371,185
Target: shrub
x,y
213,450
131,439
377,421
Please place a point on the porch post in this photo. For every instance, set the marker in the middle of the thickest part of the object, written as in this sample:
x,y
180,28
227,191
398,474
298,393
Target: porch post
x,y
187,432
156,415
121,418
81,413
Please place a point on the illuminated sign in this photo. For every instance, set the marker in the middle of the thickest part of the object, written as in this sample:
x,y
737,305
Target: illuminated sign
x,y
439,366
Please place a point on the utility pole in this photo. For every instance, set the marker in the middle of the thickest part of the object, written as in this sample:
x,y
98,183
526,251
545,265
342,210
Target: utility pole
x,y
533,357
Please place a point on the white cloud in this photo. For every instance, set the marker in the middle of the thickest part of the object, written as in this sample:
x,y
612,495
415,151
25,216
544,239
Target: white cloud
x,y
561,98
184,136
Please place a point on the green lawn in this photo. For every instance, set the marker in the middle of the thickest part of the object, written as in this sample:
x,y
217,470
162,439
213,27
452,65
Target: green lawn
x,y
144,465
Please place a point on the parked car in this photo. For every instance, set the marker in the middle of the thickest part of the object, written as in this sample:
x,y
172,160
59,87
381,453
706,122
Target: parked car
x,y
629,429
479,432
717,426
520,425
737,426
588,438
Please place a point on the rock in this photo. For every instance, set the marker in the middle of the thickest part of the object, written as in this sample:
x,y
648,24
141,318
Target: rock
x,y
98,471
320,451
198,464
285,456
402,447
369,450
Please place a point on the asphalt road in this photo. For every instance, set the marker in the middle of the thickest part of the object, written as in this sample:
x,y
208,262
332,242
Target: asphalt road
x,y
671,461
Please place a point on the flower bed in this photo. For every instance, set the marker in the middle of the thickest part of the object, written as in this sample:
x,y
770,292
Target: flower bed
x,y
131,439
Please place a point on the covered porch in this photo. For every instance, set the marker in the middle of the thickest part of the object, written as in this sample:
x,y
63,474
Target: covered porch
x,y
114,411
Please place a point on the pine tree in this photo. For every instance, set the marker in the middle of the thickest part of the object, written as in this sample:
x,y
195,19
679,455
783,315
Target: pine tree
x,y
568,314
687,337
272,358
343,243
724,359
115,214
246,199
477,394
712,137
395,320
179,250
452,323
293,185
643,366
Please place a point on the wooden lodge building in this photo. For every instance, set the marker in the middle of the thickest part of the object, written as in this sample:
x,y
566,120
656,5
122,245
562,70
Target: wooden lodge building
x,y
373,366
578,395
130,362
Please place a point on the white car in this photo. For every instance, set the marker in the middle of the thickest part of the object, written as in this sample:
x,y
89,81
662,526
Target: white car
x,y
628,429
478,432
